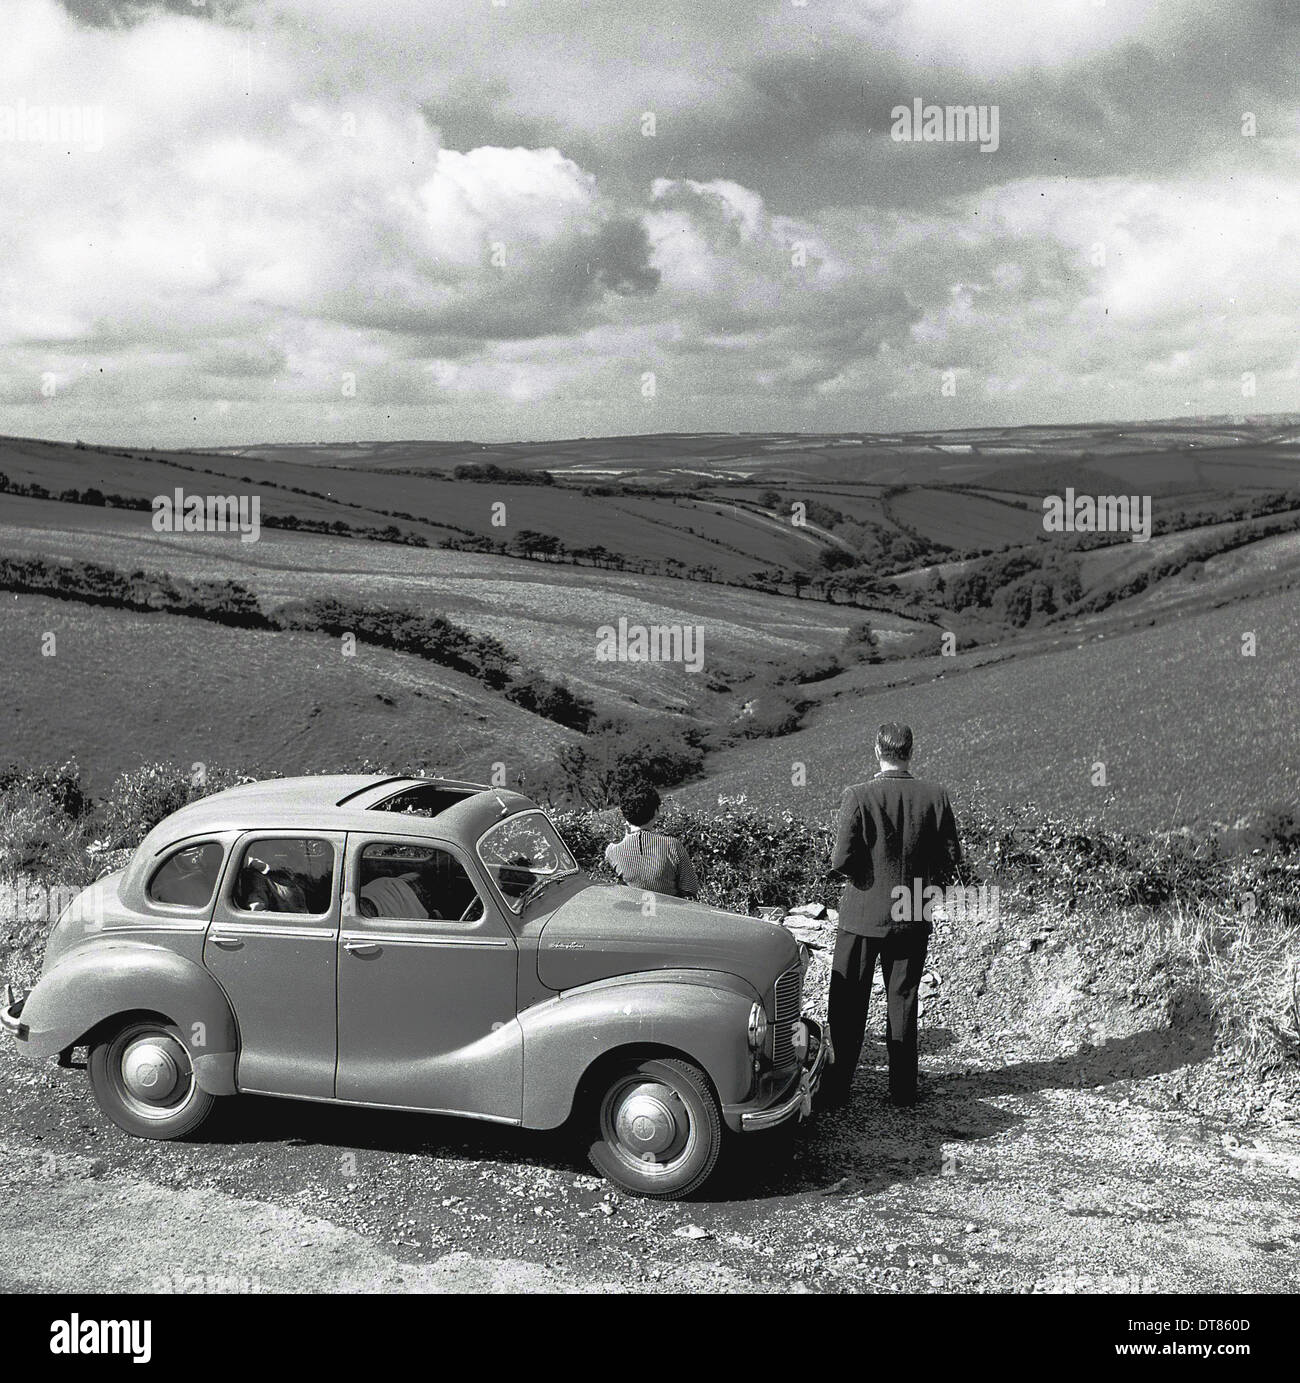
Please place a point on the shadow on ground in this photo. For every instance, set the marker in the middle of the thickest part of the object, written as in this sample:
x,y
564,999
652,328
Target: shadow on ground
x,y
871,1145
868,1146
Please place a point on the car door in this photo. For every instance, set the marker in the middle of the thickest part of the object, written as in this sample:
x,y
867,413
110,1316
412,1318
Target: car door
x,y
273,946
426,984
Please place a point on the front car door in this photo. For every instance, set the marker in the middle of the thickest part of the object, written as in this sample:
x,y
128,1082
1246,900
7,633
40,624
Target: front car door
x,y
273,946
426,984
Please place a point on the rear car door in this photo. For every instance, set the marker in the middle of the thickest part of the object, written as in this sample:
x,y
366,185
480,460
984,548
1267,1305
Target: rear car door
x,y
426,984
273,946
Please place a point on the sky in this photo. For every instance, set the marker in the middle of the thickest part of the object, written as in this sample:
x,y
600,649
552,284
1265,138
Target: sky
x,y
232,221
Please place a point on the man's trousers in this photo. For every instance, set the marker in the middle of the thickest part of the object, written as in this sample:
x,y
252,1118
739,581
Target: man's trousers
x,y
902,962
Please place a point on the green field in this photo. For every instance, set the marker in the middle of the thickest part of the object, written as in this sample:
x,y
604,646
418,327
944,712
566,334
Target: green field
x,y
959,519
665,529
546,614
1024,715
1188,728
125,688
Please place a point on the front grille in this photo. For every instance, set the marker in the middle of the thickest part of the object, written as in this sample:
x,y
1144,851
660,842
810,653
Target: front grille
x,y
789,1000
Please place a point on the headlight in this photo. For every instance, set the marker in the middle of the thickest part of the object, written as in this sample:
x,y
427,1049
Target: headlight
x,y
757,1027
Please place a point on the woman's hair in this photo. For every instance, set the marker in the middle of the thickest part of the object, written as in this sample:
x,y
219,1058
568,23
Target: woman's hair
x,y
639,804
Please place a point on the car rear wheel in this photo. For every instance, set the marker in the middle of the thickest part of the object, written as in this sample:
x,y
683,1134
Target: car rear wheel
x,y
143,1079
659,1129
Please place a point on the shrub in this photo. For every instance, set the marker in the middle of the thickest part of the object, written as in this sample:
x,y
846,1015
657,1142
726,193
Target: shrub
x,y
551,700
618,752
768,714
37,839
438,640
61,784
141,797
1251,976
227,602
861,645
1275,827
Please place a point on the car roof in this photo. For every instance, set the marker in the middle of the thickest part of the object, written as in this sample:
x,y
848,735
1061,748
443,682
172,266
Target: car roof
x,y
313,790
336,802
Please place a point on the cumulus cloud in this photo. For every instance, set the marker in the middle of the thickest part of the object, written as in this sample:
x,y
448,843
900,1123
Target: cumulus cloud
x,y
279,218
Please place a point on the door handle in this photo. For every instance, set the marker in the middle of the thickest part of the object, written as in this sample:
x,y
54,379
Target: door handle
x,y
360,948
231,943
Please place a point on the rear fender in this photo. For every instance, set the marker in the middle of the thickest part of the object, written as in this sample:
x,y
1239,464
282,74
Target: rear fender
x,y
91,985
702,1015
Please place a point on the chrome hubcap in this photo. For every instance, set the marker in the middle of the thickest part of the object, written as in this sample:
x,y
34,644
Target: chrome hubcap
x,y
646,1123
150,1071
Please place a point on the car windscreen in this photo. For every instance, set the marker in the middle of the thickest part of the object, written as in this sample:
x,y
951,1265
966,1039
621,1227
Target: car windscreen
x,y
523,854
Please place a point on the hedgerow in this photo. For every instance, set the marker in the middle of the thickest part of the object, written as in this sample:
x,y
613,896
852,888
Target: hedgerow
x,y
432,637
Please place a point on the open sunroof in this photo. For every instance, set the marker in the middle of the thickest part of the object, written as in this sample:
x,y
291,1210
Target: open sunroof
x,y
426,799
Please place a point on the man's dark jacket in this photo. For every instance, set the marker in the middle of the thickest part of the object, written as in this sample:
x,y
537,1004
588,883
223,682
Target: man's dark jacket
x,y
894,829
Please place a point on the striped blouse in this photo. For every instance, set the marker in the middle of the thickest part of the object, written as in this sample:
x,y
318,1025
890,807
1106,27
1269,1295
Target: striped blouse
x,y
653,861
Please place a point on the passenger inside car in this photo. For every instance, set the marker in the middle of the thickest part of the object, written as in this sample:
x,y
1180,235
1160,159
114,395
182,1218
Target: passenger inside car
x,y
286,874
393,896
415,882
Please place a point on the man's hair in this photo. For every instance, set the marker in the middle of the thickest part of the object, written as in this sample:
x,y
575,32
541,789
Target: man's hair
x,y
639,804
894,741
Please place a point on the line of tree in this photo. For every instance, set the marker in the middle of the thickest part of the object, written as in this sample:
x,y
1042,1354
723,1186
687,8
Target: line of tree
x,y
226,602
833,587
439,640
1044,581
340,528
488,473
1198,550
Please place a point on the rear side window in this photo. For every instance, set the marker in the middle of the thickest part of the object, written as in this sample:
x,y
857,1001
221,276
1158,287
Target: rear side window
x,y
188,878
292,874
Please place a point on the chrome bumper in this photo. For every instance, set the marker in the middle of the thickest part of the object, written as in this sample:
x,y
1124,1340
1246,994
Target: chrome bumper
x,y
9,1019
799,1102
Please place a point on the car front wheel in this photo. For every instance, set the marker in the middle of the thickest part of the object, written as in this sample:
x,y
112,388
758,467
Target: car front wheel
x,y
659,1128
143,1080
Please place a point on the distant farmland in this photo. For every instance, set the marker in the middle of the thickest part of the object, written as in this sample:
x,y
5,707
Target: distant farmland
x,y
1008,717
964,520
1157,706
546,614
661,529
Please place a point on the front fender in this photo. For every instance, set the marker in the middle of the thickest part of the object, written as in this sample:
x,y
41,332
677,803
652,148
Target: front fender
x,y
701,1014
93,983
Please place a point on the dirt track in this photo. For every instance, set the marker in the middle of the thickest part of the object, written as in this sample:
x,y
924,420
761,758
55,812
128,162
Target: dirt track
x,y
1029,1174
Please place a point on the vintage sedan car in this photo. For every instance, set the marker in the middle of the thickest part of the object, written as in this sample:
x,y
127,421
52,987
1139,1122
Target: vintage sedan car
x,y
405,943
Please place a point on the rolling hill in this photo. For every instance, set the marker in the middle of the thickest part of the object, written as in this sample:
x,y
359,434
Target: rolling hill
x,y
123,688
1025,714
1188,729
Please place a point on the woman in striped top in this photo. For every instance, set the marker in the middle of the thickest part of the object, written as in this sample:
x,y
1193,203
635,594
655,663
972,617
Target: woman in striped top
x,y
646,858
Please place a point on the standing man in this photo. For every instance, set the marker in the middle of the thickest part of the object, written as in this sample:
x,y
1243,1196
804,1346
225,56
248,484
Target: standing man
x,y
897,837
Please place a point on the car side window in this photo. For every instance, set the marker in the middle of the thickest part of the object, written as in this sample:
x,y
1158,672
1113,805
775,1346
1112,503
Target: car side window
x,y
188,877
293,874
415,883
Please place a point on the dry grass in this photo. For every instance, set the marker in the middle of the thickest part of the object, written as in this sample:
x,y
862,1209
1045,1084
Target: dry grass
x,y
36,839
1247,967
1252,979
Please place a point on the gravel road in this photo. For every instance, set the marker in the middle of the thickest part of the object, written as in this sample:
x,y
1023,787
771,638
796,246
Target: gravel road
x,y
1035,1172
